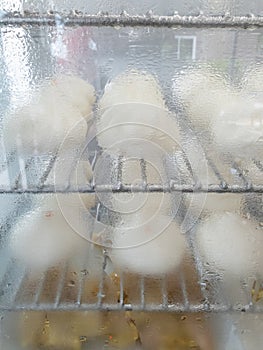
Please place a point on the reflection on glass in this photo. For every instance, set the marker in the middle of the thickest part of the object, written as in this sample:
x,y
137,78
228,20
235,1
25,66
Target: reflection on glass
x,y
16,61
186,47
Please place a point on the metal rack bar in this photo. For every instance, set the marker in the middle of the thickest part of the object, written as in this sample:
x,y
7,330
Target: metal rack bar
x,y
22,173
184,291
246,182
199,269
11,284
142,290
20,207
119,171
9,159
121,290
17,288
39,289
143,172
124,20
188,164
164,293
249,303
47,171
80,288
60,286
216,308
111,188
219,176
101,284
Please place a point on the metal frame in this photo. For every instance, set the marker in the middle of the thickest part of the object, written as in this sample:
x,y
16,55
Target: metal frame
x,y
18,274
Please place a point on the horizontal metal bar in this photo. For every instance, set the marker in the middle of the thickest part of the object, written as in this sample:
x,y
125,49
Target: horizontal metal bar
x,y
126,20
217,308
139,188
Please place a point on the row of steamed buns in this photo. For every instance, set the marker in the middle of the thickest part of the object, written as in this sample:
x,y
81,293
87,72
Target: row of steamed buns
x,y
133,121
133,107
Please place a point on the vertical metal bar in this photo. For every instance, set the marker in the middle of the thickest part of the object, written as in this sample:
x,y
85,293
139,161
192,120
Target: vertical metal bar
x,y
93,164
142,292
164,292
94,160
245,181
21,179
101,294
81,282
19,282
23,168
121,290
249,301
80,288
188,164
184,290
119,170
198,265
143,172
47,171
5,262
61,283
219,176
39,288
11,283
13,169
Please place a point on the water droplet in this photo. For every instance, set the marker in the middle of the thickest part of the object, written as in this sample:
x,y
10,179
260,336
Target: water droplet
x,y
149,13
71,284
103,13
83,339
92,45
84,272
223,184
124,13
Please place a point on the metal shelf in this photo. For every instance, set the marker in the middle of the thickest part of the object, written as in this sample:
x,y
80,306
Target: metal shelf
x,y
14,279
13,293
179,179
76,289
